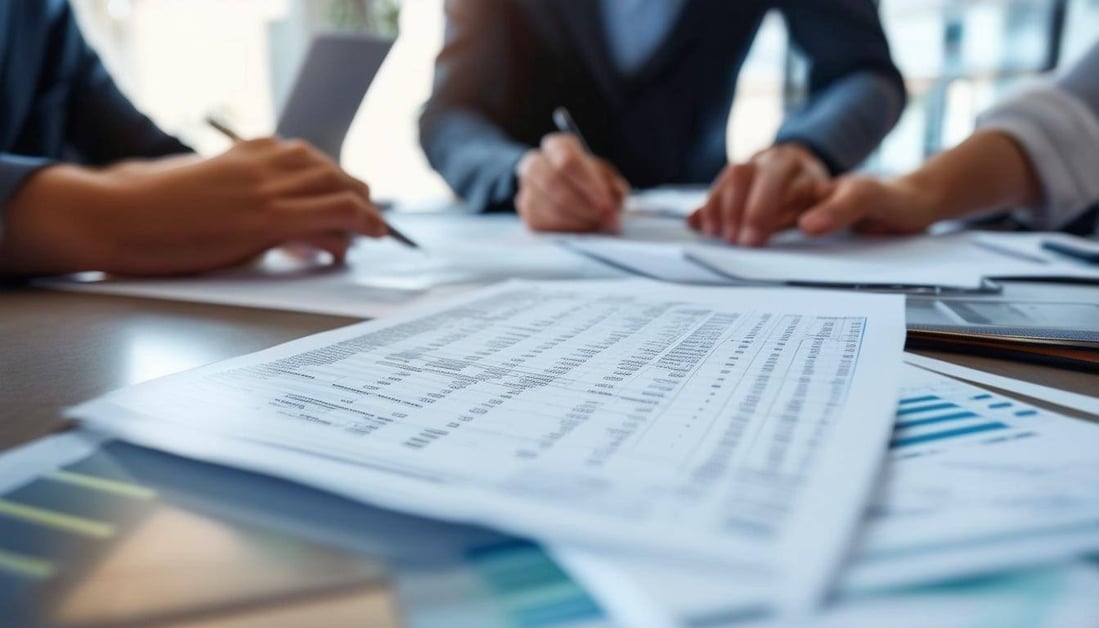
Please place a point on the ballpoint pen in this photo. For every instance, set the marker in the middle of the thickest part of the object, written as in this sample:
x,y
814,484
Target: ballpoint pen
x,y
565,123
235,137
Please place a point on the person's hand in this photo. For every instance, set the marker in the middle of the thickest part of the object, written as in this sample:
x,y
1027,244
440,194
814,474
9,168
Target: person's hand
x,y
562,187
868,205
751,201
180,215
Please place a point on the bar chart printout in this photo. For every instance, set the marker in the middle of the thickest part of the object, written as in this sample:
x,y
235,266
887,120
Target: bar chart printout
x,y
741,427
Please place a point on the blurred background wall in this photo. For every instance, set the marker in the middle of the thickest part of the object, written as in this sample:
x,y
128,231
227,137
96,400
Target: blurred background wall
x,y
183,59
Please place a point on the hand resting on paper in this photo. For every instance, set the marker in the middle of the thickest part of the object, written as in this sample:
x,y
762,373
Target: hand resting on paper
x,y
184,214
752,201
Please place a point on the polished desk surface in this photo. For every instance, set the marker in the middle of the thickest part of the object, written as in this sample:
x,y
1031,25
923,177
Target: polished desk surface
x,y
59,349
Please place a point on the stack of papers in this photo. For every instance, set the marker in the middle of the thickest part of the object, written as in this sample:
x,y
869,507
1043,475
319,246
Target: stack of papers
x,y
957,260
696,454
975,483
461,253
954,261
740,429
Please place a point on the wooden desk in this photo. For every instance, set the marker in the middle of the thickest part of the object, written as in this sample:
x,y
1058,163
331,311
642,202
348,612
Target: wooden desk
x,y
58,349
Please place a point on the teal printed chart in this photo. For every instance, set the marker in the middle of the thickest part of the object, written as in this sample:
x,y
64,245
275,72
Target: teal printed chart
x,y
929,422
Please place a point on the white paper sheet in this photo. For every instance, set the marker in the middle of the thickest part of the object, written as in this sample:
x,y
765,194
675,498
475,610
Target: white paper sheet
x,y
1028,245
954,260
671,202
27,462
970,465
460,253
956,504
1055,396
662,261
1061,596
737,426
390,266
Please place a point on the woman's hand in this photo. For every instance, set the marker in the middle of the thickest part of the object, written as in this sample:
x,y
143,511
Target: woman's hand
x,y
869,205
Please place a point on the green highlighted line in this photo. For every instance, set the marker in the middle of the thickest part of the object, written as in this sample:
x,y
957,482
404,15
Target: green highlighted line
x,y
56,520
125,489
27,566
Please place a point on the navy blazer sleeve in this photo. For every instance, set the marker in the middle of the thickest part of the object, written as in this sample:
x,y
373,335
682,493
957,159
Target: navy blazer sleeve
x,y
856,93
461,128
69,108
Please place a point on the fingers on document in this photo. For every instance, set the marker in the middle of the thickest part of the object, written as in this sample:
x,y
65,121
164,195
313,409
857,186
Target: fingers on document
x,y
781,190
720,216
336,243
752,201
340,211
845,203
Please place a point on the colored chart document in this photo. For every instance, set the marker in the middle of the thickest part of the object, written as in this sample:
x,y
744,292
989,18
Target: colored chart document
x,y
975,483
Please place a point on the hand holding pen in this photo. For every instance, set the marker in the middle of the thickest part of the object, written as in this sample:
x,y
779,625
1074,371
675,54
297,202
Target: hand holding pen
x,y
237,139
563,186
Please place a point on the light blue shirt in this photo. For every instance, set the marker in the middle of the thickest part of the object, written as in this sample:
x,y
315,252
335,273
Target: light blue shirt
x,y
637,28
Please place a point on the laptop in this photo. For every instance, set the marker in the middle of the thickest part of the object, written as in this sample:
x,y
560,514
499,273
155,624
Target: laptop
x,y
330,88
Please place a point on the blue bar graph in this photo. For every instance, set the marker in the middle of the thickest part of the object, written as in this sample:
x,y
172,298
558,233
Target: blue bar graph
x,y
962,431
931,408
922,399
965,414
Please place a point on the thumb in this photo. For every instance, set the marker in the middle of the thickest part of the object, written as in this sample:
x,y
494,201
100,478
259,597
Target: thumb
x,y
837,211
335,243
618,185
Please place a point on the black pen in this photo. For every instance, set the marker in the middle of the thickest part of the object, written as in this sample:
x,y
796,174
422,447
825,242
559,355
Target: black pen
x,y
224,129
1085,251
565,124
235,137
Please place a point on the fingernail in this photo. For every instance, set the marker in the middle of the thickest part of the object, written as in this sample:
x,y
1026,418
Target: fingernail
x,y
750,237
730,234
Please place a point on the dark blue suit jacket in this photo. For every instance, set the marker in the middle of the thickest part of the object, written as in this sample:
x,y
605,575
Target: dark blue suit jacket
x,y
507,64
57,102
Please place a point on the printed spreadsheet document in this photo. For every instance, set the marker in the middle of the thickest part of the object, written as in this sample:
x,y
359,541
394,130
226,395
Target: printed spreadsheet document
x,y
974,483
736,426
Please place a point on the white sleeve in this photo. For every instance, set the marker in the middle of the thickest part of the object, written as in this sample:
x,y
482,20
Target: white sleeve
x,y
1057,125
